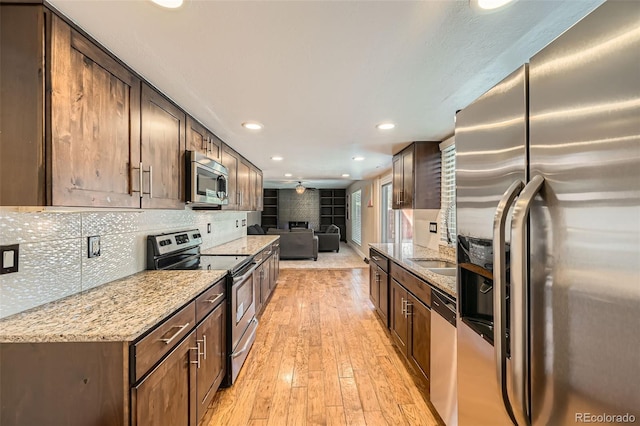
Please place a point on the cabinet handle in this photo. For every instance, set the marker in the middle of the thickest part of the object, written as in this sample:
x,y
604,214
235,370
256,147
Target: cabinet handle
x,y
197,361
215,299
406,311
401,197
150,181
177,333
204,143
375,258
204,345
141,172
404,307
139,190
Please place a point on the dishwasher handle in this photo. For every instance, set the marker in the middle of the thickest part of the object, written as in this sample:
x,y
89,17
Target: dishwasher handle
x,y
444,306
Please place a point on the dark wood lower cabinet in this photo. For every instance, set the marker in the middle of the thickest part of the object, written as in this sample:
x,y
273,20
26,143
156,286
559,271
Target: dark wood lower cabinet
x,y
379,291
419,348
211,339
410,327
167,396
399,323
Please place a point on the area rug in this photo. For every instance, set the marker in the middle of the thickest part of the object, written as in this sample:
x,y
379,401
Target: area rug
x,y
346,258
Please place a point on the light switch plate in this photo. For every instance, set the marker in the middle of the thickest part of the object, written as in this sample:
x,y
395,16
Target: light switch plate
x,y
9,257
433,227
93,246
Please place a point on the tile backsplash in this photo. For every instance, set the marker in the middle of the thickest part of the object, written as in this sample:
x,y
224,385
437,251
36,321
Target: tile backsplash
x,y
53,260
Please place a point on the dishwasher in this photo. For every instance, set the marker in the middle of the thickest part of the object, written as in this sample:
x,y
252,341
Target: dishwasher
x,y
443,357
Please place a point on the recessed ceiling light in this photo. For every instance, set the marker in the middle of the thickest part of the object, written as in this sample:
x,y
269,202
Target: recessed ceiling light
x,y
385,126
346,175
358,158
492,4
288,175
277,158
252,125
169,4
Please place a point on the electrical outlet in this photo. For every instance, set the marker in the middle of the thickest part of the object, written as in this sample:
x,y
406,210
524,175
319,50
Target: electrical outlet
x,y
9,257
433,227
93,246
208,228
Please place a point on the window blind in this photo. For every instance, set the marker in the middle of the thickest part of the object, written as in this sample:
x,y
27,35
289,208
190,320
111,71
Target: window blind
x,y
448,196
356,217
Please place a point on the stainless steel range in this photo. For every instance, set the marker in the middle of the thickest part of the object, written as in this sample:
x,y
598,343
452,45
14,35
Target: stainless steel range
x,y
181,251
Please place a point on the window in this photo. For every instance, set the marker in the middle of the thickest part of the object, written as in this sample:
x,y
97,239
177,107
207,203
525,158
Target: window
x,y
387,215
448,193
356,217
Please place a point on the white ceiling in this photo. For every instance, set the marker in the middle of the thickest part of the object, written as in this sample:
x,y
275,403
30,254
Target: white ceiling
x,y
321,74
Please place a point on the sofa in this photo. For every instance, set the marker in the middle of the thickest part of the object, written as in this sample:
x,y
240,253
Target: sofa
x,y
328,238
296,243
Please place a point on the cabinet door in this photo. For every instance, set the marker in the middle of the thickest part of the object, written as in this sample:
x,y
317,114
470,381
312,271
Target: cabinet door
x,y
231,160
396,181
266,279
399,323
259,192
95,124
200,139
383,299
374,284
163,145
406,197
168,395
257,291
211,335
244,186
419,335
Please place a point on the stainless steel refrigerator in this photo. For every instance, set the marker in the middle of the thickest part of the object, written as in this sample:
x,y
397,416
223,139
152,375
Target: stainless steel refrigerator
x,y
548,216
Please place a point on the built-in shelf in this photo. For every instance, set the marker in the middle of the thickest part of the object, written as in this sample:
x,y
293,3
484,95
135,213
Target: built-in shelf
x,y
270,209
333,209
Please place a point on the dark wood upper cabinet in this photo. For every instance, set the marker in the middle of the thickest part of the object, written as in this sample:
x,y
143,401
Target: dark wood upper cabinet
x,y
163,146
416,177
231,160
259,191
245,189
70,116
200,139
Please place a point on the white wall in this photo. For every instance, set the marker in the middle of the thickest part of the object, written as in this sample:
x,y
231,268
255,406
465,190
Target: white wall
x,y
53,259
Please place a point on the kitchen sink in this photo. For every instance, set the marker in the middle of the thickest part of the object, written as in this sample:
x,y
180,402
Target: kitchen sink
x,y
450,272
433,263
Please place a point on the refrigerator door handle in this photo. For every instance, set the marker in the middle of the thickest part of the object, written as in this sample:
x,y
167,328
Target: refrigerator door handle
x,y
500,290
519,295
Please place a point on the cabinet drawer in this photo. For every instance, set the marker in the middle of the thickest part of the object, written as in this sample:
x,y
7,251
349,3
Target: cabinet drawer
x,y
153,347
379,260
415,285
211,298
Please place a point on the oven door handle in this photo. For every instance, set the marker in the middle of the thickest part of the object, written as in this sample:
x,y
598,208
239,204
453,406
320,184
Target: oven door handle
x,y
245,275
249,341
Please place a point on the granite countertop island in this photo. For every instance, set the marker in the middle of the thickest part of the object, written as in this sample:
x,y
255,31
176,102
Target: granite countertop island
x,y
249,245
402,255
124,309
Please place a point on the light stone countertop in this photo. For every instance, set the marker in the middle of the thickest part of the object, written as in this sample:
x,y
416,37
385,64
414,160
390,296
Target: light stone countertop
x,y
402,253
251,245
119,311
122,310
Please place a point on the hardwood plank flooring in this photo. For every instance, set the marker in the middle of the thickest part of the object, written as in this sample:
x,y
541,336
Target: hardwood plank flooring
x,y
322,357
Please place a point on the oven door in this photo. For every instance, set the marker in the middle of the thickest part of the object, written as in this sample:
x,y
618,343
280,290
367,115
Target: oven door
x,y
243,306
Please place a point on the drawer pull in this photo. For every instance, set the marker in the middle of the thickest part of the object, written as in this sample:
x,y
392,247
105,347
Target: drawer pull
x,y
176,334
375,258
215,299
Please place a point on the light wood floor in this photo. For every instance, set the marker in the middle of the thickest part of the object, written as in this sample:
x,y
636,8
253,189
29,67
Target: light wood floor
x,y
321,356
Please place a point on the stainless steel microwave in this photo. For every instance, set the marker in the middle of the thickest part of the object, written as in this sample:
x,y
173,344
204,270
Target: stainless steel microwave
x,y
206,181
